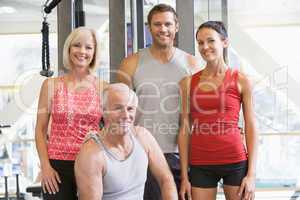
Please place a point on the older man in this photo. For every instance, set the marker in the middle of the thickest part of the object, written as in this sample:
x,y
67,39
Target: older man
x,y
112,164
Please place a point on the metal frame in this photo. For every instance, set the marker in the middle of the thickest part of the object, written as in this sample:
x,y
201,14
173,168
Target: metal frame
x,y
224,11
79,13
64,27
185,11
140,24
117,36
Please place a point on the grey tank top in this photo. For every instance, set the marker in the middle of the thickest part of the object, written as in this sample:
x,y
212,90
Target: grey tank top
x,y
125,179
157,88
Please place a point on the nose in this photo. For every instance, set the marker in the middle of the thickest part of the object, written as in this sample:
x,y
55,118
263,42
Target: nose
x,y
163,28
82,49
205,45
125,114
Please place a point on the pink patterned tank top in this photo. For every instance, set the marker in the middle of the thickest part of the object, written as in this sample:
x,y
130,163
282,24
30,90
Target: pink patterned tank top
x,y
73,115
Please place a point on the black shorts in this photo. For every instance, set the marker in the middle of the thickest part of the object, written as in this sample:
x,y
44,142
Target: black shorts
x,y
208,176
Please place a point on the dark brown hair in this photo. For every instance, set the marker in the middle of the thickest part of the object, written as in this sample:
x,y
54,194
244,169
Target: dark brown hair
x,y
218,26
161,8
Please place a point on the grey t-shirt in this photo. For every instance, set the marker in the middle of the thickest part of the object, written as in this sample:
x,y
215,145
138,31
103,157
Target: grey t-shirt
x,y
124,179
157,88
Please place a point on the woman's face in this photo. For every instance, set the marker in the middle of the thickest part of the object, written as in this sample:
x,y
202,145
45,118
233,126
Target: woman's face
x,y
82,50
211,44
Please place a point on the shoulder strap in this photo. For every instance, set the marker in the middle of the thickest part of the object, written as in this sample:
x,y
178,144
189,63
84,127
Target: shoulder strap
x,y
235,74
194,81
94,136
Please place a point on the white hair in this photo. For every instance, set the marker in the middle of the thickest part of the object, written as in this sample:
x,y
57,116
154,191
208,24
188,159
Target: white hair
x,y
118,88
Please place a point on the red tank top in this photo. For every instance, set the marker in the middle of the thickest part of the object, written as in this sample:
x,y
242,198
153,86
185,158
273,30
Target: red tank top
x,y
214,115
73,115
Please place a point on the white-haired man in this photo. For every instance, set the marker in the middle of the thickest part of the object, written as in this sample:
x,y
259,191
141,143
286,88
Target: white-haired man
x,y
112,164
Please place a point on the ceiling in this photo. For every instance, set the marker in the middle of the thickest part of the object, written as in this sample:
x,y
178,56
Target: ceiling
x,y
24,16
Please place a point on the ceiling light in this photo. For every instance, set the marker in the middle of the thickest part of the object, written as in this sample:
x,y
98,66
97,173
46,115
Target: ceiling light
x,y
7,10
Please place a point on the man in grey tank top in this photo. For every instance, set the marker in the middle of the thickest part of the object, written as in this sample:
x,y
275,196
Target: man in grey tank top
x,y
154,73
112,164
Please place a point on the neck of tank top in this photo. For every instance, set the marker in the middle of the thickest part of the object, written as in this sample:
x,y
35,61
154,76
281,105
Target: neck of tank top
x,y
114,155
163,56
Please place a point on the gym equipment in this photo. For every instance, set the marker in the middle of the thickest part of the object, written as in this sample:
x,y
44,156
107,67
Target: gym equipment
x,y
47,8
17,195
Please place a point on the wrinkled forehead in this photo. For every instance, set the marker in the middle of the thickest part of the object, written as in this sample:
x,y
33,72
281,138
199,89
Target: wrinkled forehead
x,y
121,98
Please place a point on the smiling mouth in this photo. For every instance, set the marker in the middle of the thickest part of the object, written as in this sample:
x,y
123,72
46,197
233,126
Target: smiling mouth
x,y
124,124
163,36
207,53
81,58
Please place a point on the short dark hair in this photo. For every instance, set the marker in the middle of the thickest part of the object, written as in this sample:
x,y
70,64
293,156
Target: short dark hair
x,y
161,8
218,26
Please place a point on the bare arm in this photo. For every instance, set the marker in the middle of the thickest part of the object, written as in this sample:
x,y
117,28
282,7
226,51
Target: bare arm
x,y
49,177
89,167
250,128
250,133
158,165
127,69
194,64
43,116
184,137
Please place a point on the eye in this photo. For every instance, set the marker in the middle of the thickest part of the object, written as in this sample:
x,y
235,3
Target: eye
x,y
168,24
157,24
130,109
117,108
200,43
76,45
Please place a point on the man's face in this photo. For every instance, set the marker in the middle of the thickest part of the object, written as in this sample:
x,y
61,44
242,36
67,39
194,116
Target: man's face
x,y
120,111
163,28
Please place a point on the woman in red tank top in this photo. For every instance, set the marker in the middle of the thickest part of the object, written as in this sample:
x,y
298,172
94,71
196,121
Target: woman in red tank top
x,y
69,107
209,140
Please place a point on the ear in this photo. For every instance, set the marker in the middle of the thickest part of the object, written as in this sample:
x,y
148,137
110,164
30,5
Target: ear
x,y
225,43
177,27
149,27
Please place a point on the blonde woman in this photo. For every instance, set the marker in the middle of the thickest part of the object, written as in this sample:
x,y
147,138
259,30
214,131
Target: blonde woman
x,y
69,107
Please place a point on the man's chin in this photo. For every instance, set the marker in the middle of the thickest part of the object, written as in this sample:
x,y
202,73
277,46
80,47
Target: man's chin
x,y
163,44
125,128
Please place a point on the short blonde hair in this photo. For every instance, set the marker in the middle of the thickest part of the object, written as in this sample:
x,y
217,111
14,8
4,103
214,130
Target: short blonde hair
x,y
69,41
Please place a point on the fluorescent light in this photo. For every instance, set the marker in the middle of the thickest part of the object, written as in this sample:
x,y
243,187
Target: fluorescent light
x,y
7,10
